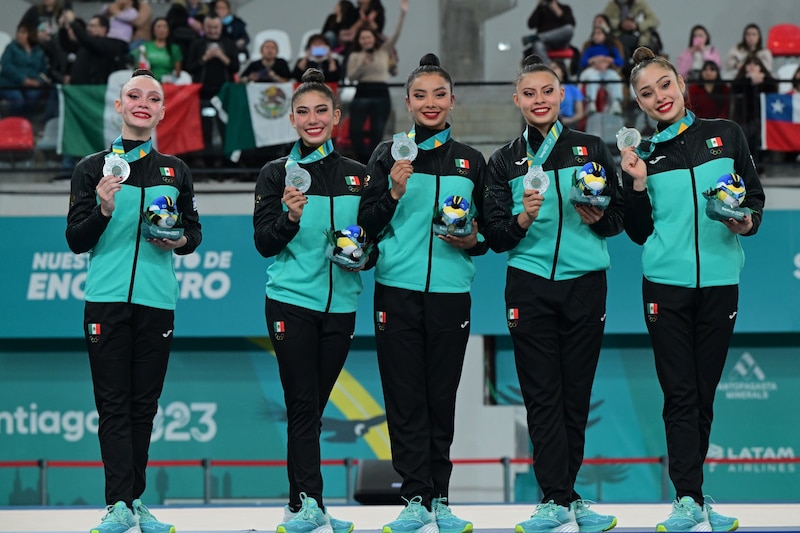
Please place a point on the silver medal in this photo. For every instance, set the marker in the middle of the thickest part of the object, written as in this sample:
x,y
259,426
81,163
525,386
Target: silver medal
x,y
628,138
403,147
115,165
536,179
296,176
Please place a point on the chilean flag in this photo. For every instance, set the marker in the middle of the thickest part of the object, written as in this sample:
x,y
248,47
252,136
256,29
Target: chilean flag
x,y
780,122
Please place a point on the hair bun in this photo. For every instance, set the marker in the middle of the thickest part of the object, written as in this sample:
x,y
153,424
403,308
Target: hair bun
x,y
312,75
429,59
532,59
642,54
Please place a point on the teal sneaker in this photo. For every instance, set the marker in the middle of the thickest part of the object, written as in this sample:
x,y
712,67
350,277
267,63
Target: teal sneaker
x,y
148,522
721,522
446,520
414,518
686,516
118,519
338,526
591,521
549,518
309,519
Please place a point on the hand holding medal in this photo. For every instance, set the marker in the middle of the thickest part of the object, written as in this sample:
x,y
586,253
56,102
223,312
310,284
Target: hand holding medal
x,y
628,138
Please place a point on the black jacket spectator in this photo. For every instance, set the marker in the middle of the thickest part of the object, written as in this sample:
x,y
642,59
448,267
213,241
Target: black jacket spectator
x,y
96,56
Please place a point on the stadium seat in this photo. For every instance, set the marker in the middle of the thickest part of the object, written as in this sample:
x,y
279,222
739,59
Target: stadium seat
x,y
784,40
4,40
16,140
280,37
48,142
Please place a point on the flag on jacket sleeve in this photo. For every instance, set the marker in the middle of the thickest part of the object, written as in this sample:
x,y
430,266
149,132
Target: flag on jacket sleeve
x,y
780,122
88,122
256,115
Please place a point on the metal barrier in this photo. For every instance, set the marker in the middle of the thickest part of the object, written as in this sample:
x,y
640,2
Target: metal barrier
x,y
350,463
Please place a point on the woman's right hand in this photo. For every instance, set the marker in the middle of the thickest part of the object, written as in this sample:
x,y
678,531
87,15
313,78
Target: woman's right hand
x,y
106,189
294,201
531,204
634,166
399,174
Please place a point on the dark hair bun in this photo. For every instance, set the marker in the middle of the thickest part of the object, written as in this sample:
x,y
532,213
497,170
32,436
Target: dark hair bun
x,y
313,75
642,54
429,59
531,60
142,72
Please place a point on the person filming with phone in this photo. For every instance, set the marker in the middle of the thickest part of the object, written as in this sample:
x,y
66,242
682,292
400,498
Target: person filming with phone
x,y
318,56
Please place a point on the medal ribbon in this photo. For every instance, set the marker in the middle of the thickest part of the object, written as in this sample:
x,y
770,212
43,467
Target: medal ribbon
x,y
546,147
646,148
432,142
320,153
134,155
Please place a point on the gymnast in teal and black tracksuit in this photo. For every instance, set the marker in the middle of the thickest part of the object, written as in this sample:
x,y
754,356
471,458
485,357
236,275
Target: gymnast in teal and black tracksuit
x,y
422,301
311,302
555,287
691,267
131,290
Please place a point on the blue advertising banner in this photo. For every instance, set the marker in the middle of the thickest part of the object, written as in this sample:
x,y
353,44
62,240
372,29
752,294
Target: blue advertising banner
x,y
222,283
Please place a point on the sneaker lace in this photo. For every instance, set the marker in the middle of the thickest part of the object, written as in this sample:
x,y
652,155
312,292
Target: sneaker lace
x,y
144,513
413,508
680,508
305,512
545,509
113,515
441,508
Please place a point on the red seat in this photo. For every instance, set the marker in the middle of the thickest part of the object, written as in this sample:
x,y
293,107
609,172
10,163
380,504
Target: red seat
x,y
16,138
784,40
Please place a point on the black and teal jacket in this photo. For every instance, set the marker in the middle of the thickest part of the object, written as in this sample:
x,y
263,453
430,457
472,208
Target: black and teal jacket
x,y
123,267
410,255
302,275
558,245
682,246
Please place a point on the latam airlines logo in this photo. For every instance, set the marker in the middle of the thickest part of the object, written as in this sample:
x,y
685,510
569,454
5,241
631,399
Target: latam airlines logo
x,y
746,381
716,451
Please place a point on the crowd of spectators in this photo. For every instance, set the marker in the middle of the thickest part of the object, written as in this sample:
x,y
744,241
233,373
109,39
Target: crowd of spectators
x,y
207,42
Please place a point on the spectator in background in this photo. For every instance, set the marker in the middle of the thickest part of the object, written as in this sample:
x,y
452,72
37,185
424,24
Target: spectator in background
x,y
709,97
368,65
143,25
371,15
180,31
751,43
601,63
318,56
633,23
197,10
700,50
44,18
96,54
751,80
121,16
270,68
572,110
233,27
160,55
23,72
344,16
553,27
213,61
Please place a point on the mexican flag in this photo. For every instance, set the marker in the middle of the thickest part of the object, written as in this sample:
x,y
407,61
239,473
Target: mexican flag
x,y
256,115
88,122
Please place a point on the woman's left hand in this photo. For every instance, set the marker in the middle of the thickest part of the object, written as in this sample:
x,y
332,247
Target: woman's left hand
x,y
463,243
739,228
589,213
